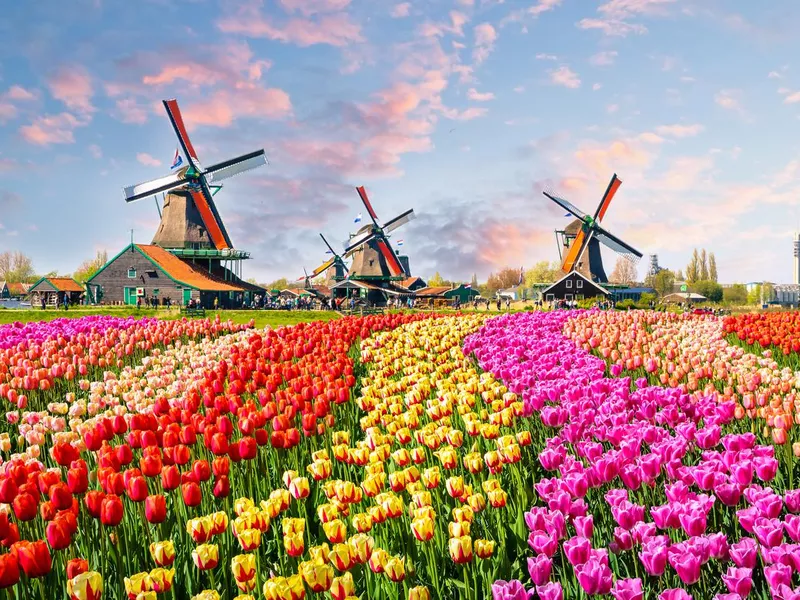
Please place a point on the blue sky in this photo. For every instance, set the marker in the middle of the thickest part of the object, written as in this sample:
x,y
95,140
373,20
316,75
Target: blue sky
x,y
462,109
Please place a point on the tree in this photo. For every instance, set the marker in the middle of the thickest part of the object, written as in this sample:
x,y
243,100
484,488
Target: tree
x,y
693,268
624,272
712,267
663,282
505,278
543,272
436,281
278,284
16,267
89,267
679,275
735,294
760,293
710,289
703,265
474,281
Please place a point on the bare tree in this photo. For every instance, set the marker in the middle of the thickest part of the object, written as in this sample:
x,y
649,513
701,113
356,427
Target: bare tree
x,y
703,265
89,267
16,267
624,272
712,267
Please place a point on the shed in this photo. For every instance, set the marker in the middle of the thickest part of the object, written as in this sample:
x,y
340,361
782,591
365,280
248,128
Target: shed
x,y
432,297
413,283
680,297
464,293
53,290
574,286
151,273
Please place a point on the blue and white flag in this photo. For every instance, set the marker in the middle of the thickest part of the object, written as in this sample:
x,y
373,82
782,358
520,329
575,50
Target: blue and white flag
x,y
467,286
328,252
567,214
357,219
177,161
399,242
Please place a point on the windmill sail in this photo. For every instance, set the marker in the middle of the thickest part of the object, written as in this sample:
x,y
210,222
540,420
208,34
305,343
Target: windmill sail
x,y
617,245
566,205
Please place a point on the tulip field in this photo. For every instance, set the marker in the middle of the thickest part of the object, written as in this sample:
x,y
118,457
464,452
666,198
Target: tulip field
x,y
550,455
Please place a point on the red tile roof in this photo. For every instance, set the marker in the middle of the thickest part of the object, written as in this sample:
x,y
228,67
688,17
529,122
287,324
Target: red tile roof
x,y
65,284
409,281
18,289
185,272
433,291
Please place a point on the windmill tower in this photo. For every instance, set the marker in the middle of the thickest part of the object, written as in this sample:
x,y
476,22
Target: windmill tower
x,y
191,227
796,247
334,268
583,236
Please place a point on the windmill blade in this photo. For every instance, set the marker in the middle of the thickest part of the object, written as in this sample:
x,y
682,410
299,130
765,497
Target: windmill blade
x,y
566,206
228,168
155,186
588,238
363,195
354,243
328,245
575,250
399,221
176,119
617,245
612,188
208,212
395,268
322,268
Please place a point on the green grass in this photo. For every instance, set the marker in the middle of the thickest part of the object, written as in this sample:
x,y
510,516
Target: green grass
x,y
273,318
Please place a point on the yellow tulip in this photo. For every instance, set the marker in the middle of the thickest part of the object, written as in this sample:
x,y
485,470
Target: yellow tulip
x,y
299,488
362,522
206,556
317,575
460,549
341,557
361,546
292,525
206,595
243,567
86,586
378,560
335,531
419,592
395,569
250,539
484,548
342,587
135,584
161,579
242,505
423,529
163,553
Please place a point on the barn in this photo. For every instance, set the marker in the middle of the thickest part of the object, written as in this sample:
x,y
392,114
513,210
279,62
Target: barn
x,y
574,286
53,290
153,274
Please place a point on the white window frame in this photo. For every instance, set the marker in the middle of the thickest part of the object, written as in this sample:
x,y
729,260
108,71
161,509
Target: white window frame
x,y
579,283
131,270
569,283
549,297
568,297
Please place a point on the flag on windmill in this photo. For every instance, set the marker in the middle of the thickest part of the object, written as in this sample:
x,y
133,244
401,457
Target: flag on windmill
x,y
177,160
357,219
399,242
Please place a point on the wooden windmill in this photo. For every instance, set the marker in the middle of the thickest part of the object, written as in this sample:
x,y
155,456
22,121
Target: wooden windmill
x,y
334,268
583,236
189,218
373,257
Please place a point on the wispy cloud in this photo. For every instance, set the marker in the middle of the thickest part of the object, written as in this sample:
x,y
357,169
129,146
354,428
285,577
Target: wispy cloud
x,y
604,59
401,10
477,96
147,160
566,77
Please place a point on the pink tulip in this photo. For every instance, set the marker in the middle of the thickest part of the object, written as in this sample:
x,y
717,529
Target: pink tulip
x,y
792,499
543,543
623,539
584,526
693,522
550,591
687,566
728,493
738,580
769,532
675,594
777,575
539,568
654,556
744,553
791,523
627,589
577,550
594,577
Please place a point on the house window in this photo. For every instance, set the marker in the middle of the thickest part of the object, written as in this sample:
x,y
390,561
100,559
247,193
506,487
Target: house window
x,y
550,297
155,292
567,296
579,283
131,273
151,274
569,283
579,297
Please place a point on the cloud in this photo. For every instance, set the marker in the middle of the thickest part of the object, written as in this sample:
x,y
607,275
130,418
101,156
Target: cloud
x,y
128,110
401,10
543,56
52,129
792,98
19,94
680,131
612,28
9,100
596,86
566,77
477,96
245,100
604,59
612,108
485,37
334,29
95,151
147,160
519,89
729,100
72,85
615,15
538,8
454,27
312,7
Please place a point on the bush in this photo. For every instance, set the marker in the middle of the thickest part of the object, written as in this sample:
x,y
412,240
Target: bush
x,y
625,305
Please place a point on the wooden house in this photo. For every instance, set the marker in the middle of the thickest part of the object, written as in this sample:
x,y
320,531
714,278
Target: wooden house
x,y
574,286
4,292
53,290
412,284
18,290
464,293
151,272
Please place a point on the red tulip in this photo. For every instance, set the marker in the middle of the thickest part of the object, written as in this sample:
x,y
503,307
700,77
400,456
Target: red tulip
x,y
12,537
219,444
64,453
58,535
248,448
170,478
94,502
47,511
60,496
201,470
150,465
33,557
137,488
24,506
220,466
77,480
155,508
9,570
222,487
8,490
192,494
76,566
111,510
45,479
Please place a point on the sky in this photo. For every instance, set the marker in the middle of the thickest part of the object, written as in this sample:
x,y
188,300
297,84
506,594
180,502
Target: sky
x,y
464,110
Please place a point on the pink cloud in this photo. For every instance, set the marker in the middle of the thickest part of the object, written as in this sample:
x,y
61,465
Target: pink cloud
x,y
72,85
485,37
95,151
566,77
334,29
455,27
52,129
680,131
147,160
616,14
401,10
128,110
544,56
312,7
7,111
729,100
245,100
611,27
604,59
9,100
477,96
20,94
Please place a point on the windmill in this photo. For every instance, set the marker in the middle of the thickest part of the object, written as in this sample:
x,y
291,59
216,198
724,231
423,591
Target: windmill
x,y
336,263
373,256
189,217
585,234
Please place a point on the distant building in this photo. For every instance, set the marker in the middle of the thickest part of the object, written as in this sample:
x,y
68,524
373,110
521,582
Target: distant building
x,y
574,286
786,294
681,297
463,293
413,283
633,293
54,289
4,293
18,290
